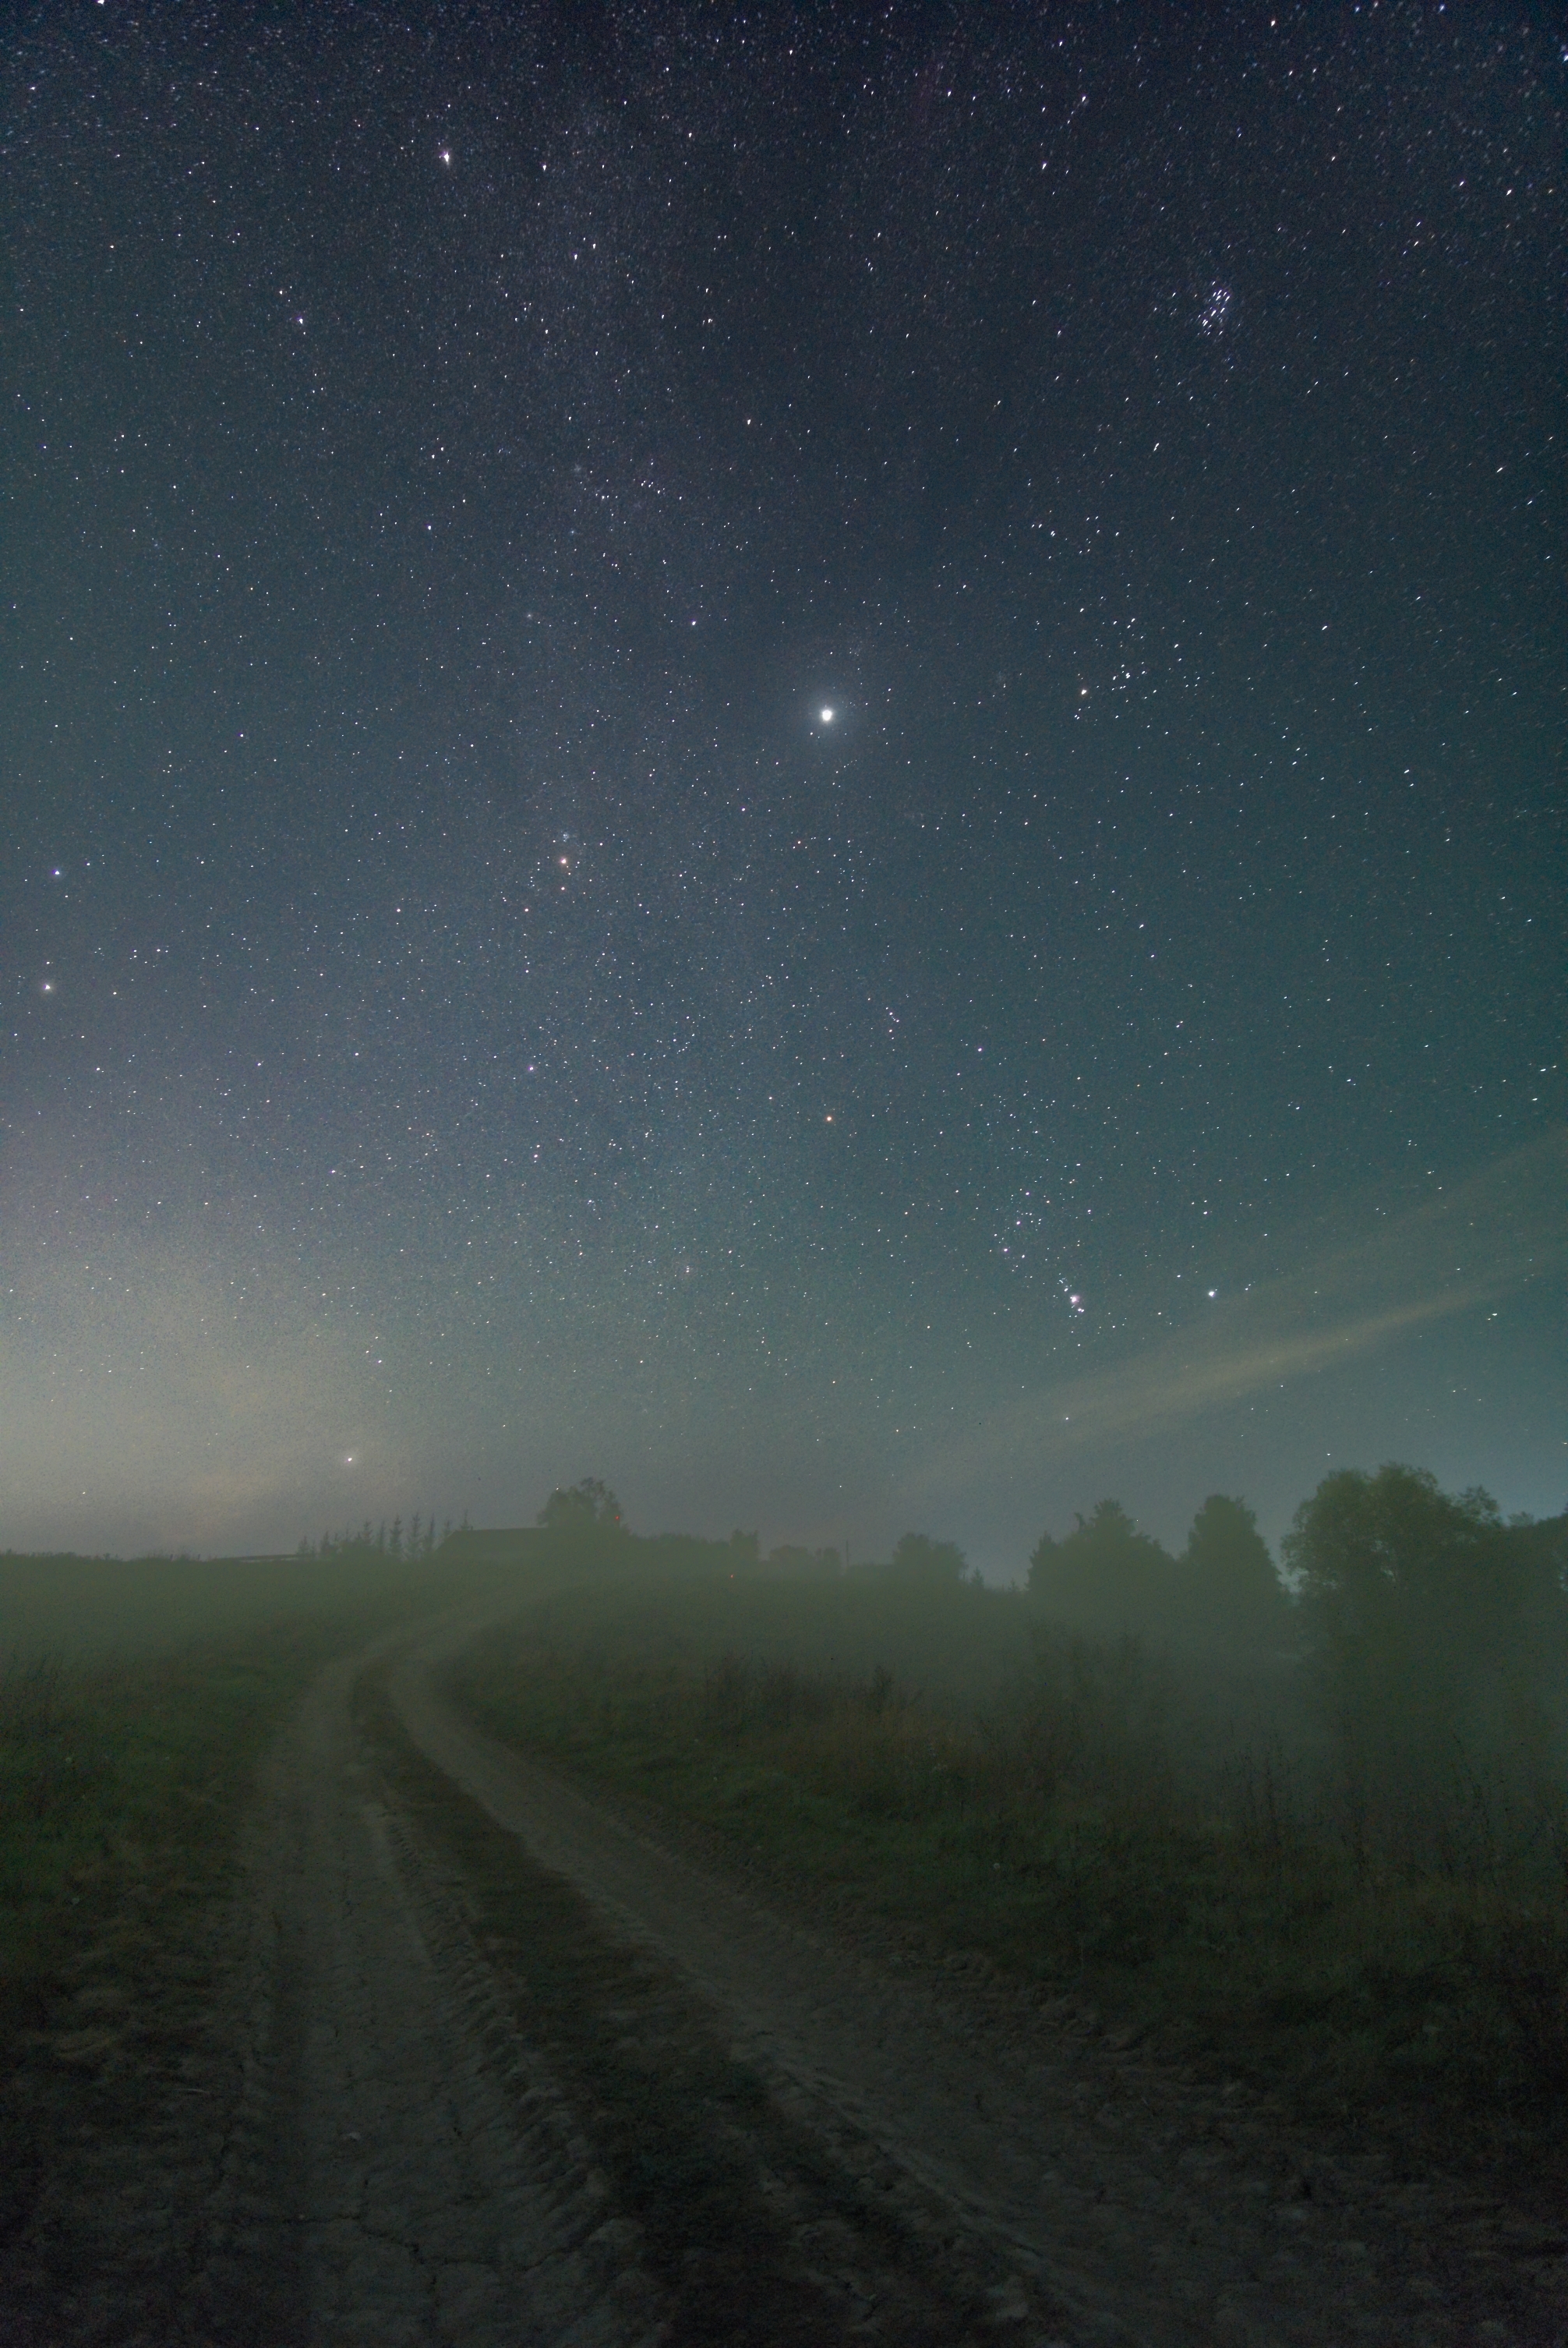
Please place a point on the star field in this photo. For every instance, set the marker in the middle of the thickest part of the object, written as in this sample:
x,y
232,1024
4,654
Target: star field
x,y
809,757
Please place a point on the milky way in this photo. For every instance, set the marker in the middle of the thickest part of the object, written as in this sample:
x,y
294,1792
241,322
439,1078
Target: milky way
x,y
806,759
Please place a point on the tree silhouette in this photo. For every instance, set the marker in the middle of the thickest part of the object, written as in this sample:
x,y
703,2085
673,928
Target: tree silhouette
x,y
921,1558
1105,1573
579,1507
1433,1621
1439,1630
1379,1555
1229,1589
790,1559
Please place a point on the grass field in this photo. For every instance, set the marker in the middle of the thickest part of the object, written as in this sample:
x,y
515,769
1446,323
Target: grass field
x,y
1123,1834
102,1609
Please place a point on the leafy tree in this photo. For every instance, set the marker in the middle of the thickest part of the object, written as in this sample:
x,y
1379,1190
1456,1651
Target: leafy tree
x,y
1434,1619
921,1558
1376,1554
1105,1573
1229,1589
583,1505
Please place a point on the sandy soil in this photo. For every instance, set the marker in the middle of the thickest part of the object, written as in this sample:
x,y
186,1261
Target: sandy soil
x,y
358,2137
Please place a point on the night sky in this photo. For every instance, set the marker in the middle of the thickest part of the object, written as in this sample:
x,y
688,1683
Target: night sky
x,y
809,757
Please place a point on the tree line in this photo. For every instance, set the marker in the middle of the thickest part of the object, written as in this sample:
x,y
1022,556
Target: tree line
x,y
1372,1563
1108,1577
1380,1563
399,1543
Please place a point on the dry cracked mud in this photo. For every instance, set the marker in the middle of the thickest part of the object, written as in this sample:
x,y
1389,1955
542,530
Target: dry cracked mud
x,y
413,2114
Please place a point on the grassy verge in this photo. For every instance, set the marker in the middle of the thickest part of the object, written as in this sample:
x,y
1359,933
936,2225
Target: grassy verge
x,y
1063,1839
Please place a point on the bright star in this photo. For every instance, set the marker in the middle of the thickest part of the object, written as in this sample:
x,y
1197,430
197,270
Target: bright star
x,y
827,716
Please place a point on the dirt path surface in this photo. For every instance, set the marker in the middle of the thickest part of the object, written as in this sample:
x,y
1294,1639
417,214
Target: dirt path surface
x,y
375,2114
406,2170
1109,2199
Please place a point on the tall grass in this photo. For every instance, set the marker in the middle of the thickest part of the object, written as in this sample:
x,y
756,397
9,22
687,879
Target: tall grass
x,y
1372,1931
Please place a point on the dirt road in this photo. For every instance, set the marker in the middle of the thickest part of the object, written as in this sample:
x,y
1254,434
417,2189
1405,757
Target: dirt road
x,y
380,2133
403,2169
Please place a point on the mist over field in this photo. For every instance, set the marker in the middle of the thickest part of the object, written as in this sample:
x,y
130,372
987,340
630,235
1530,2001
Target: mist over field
x,y
1288,1828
